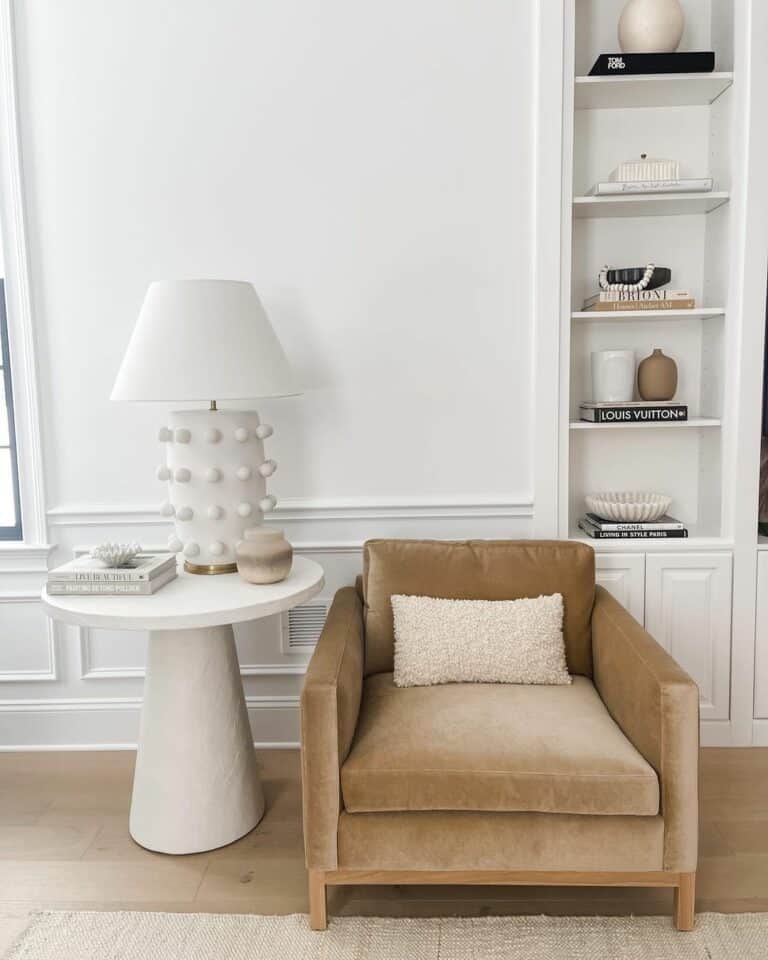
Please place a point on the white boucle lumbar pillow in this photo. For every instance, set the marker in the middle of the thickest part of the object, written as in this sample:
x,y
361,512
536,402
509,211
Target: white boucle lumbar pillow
x,y
479,641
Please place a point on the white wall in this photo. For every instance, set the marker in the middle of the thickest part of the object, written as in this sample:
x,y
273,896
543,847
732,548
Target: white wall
x,y
369,167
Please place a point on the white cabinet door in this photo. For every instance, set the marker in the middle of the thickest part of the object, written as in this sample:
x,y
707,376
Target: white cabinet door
x,y
623,575
688,610
761,638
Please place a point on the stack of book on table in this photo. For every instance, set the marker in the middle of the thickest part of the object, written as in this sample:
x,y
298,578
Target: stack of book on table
x,y
143,575
636,411
600,529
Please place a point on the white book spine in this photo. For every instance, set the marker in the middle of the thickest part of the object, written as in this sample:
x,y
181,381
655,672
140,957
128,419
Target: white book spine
x,y
613,188
113,575
142,588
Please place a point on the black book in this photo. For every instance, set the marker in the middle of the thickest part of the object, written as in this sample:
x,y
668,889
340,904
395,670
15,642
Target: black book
x,y
634,412
630,64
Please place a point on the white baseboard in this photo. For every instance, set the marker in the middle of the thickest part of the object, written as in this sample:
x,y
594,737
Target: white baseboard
x,y
112,747
717,733
760,733
58,724
28,724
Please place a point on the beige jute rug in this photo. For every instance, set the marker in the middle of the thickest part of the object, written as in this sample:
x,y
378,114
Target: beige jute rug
x,y
70,935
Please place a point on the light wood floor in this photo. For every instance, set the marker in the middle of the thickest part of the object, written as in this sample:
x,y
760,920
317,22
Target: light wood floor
x,y
64,844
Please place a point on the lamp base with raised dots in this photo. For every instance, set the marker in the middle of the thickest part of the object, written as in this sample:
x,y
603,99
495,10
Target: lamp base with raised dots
x,y
215,473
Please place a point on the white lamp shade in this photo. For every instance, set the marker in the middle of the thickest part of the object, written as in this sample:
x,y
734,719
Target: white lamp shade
x,y
203,340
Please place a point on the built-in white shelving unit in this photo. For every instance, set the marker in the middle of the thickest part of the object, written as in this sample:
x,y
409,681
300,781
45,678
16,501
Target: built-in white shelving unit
x,y
692,119
691,422
696,594
664,90
618,316
649,205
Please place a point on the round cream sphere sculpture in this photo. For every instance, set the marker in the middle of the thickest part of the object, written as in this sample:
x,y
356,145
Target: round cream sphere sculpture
x,y
215,471
651,26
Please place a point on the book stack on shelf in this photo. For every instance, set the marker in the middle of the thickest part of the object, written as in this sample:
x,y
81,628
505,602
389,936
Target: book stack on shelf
x,y
638,288
599,529
657,299
638,64
635,411
142,575
646,175
614,188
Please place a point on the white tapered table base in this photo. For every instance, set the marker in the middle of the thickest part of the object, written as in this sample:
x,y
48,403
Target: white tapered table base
x,y
196,786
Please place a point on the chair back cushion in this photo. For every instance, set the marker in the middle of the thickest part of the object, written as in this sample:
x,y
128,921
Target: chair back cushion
x,y
478,570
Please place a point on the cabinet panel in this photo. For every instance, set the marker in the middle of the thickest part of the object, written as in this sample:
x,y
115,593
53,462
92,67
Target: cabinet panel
x,y
688,610
761,638
623,576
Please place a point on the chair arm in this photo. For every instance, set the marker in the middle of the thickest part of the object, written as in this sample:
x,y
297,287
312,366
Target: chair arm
x,y
330,703
656,704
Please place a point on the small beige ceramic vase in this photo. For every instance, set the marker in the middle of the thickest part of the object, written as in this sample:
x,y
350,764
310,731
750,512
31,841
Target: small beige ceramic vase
x,y
264,556
657,377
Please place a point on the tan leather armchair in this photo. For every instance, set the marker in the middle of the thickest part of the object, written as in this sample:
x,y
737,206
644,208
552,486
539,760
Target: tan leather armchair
x,y
594,783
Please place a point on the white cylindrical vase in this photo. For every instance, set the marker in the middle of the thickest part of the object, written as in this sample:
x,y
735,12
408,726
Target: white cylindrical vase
x,y
613,376
216,473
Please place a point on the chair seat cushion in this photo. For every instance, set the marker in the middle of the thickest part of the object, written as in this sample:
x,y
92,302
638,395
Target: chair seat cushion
x,y
502,747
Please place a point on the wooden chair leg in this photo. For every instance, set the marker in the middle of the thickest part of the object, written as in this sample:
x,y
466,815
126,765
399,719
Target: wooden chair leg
x,y
318,915
685,902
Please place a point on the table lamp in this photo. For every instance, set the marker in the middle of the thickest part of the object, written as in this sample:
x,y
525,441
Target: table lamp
x,y
208,340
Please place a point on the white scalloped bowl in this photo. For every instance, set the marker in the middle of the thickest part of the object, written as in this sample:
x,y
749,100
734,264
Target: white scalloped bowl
x,y
628,507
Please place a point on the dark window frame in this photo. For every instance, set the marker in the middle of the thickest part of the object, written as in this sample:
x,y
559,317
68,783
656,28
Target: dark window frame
x,y
14,532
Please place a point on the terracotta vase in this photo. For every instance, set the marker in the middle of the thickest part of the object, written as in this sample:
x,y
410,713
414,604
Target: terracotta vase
x,y
657,377
264,556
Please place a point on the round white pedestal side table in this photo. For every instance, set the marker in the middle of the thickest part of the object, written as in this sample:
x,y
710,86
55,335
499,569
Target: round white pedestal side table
x,y
195,787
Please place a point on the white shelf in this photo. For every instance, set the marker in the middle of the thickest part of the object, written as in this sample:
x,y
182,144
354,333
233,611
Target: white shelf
x,y
648,205
606,316
694,422
693,542
658,90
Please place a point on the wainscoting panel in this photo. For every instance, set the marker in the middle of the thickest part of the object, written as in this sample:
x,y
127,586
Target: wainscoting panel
x,y
111,654
27,640
96,699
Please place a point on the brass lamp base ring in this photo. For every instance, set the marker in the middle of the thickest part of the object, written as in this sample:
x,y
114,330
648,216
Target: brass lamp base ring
x,y
210,569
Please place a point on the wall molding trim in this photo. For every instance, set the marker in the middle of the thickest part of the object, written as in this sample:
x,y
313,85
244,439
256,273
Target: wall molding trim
x,y
549,116
26,402
24,557
89,672
65,704
101,747
308,509
32,676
